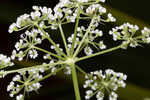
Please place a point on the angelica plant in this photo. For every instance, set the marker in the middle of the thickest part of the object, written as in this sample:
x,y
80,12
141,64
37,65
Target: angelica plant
x,y
85,37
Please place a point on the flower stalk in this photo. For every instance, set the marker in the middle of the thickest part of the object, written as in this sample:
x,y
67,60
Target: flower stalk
x,y
75,82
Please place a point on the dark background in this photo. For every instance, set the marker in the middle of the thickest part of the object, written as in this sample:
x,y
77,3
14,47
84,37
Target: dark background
x,y
134,62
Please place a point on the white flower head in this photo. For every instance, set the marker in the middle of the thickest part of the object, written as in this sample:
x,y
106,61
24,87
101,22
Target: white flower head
x,y
88,50
98,82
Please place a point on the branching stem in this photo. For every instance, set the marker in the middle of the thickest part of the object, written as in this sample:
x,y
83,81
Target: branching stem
x,y
99,53
64,39
52,42
29,68
75,30
84,37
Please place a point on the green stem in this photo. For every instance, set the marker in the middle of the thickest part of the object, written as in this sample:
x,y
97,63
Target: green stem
x,y
81,70
96,91
75,30
84,37
139,37
29,68
75,82
50,53
90,3
52,42
64,39
24,27
99,53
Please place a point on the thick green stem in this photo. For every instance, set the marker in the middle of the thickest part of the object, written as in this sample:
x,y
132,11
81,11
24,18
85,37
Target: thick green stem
x,y
99,53
63,37
84,37
75,82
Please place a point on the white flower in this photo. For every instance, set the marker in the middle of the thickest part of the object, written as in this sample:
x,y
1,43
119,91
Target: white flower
x,y
113,96
33,54
34,87
71,18
53,69
20,55
88,94
146,35
67,70
46,10
124,45
20,97
10,86
102,9
111,18
12,27
2,74
102,0
94,8
133,44
88,50
82,1
35,15
16,78
99,95
20,45
21,20
63,2
13,54
148,40
5,61
146,31
101,45
47,56
35,7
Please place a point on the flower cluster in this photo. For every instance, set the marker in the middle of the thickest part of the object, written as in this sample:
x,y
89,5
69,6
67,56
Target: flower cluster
x,y
26,44
110,18
146,35
128,34
5,61
64,11
125,33
98,10
42,18
99,83
27,80
92,9
42,14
